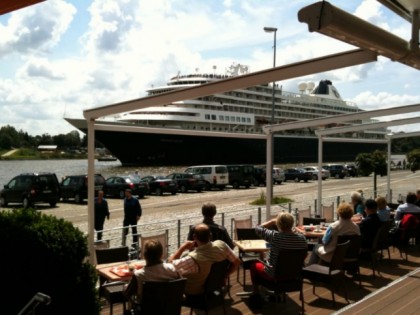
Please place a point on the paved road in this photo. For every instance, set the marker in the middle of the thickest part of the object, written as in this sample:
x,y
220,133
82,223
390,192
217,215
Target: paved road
x,y
168,206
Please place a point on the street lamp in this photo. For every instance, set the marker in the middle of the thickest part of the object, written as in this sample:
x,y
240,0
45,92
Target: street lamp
x,y
272,30
270,148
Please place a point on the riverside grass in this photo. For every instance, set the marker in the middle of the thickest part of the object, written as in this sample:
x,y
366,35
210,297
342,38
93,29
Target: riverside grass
x,y
261,201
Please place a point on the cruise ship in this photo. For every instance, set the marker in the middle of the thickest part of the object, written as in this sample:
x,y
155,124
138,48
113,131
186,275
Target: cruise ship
x,y
226,128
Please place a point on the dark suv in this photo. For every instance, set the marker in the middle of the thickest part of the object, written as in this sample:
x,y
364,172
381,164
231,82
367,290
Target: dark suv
x,y
352,169
75,186
241,175
188,181
31,188
297,174
337,170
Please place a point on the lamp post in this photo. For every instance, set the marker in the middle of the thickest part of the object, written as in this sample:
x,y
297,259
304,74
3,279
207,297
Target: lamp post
x,y
272,30
270,147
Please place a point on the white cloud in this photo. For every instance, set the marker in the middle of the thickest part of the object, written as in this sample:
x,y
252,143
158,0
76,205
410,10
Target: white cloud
x,y
36,29
129,45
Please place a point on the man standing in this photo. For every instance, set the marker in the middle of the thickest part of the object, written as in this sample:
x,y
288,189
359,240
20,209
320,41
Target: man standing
x,y
132,214
218,232
101,211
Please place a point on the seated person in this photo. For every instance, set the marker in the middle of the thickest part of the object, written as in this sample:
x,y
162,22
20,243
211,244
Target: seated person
x,y
418,197
357,202
343,226
370,224
196,265
154,270
218,232
408,207
384,212
282,239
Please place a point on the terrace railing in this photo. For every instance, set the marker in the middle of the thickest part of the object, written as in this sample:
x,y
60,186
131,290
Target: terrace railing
x,y
178,228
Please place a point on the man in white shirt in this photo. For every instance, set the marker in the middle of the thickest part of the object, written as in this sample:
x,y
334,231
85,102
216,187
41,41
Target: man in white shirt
x,y
408,207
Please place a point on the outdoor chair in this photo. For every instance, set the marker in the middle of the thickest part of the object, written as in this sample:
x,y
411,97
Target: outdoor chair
x,y
112,291
112,254
303,213
158,297
163,238
213,295
351,259
244,231
328,212
375,252
314,221
405,232
384,242
288,274
332,275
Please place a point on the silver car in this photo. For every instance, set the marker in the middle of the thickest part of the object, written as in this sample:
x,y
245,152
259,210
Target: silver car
x,y
314,170
278,175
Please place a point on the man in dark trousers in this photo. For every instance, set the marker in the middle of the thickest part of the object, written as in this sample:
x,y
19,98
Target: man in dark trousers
x,y
132,214
101,212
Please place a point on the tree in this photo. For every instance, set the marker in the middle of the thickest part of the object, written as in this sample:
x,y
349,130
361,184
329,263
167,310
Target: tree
x,y
375,162
413,158
41,253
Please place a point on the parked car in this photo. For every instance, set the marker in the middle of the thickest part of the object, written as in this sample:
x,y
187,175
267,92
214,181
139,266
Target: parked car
x,y
259,176
241,175
352,169
216,176
75,186
337,170
315,171
116,186
297,174
159,184
29,189
188,181
278,175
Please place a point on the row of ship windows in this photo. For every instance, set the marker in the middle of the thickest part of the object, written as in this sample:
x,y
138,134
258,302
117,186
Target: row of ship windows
x,y
228,118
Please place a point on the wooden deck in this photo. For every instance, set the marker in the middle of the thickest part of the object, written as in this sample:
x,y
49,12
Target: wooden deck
x,y
321,303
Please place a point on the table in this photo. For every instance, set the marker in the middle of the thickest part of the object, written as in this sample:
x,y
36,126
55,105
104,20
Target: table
x,y
311,233
252,246
118,271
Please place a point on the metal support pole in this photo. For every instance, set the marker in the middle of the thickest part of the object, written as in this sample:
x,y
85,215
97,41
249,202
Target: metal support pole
x,y
320,157
91,189
388,166
269,175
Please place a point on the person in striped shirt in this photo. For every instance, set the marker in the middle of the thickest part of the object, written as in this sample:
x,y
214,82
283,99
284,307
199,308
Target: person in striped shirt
x,y
281,239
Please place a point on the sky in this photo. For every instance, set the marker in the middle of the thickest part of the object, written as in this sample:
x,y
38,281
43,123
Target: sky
x,y
58,58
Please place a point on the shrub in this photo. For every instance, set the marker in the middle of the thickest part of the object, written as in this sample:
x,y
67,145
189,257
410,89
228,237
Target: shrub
x,y
261,201
41,253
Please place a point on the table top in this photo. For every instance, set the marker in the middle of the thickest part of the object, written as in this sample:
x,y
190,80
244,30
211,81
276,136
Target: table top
x,y
119,271
310,232
252,245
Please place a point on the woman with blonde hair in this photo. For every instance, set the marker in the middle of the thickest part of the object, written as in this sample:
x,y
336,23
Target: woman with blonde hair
x,y
343,226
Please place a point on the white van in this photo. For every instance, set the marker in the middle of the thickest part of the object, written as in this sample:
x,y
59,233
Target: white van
x,y
216,176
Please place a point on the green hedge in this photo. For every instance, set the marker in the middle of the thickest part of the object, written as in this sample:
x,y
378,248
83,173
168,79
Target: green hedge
x,y
40,253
